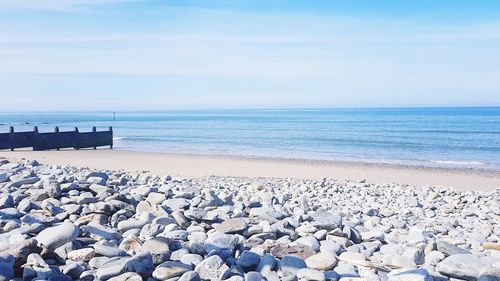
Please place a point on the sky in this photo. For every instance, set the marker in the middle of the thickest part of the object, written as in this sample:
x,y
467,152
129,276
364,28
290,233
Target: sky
x,y
160,54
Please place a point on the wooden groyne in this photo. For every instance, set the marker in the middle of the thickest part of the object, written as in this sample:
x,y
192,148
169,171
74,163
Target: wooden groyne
x,y
56,140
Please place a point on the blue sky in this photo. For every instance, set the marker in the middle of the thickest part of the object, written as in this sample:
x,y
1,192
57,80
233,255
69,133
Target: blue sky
x,y
160,54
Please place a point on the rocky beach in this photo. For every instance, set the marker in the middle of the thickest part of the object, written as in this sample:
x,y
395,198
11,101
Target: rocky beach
x,y
61,223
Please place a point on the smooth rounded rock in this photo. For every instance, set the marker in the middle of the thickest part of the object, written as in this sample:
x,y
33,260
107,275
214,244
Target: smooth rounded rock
x,y
170,269
322,261
54,237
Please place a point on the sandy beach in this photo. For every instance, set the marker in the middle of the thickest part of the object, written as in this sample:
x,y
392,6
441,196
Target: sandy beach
x,y
195,166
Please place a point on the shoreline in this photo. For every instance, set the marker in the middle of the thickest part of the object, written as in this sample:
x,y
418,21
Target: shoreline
x,y
198,165
299,160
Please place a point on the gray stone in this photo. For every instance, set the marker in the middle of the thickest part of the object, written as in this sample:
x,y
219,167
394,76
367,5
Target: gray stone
x,y
6,201
463,266
236,225
192,259
331,247
59,277
331,276
309,274
20,182
345,270
266,264
156,198
6,271
108,249
195,213
309,241
213,268
129,224
248,260
176,203
158,247
170,269
181,220
9,166
219,241
10,213
177,235
73,270
416,255
111,268
84,254
253,276
325,220
449,249
4,177
322,261
291,265
489,274
409,275
56,236
301,251
129,276
190,276
98,231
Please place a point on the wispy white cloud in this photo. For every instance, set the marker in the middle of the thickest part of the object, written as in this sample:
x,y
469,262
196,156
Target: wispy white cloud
x,y
55,5
178,55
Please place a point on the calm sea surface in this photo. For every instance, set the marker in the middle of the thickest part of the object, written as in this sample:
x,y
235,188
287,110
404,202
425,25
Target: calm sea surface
x,y
449,137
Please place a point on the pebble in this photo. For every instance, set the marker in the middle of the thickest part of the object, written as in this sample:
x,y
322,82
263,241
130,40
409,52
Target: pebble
x,y
68,223
56,236
449,249
322,261
81,254
409,275
248,260
308,274
170,269
129,276
212,268
291,265
235,225
190,276
463,266
158,247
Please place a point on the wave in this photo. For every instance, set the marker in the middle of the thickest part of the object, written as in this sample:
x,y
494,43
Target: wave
x,y
465,163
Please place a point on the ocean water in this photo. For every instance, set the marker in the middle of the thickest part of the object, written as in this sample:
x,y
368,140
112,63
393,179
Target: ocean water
x,y
443,137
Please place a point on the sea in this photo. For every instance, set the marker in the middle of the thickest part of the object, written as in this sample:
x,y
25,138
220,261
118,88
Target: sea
x,y
451,137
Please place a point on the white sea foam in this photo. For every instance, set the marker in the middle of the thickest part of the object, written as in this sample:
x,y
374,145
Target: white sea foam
x,y
464,163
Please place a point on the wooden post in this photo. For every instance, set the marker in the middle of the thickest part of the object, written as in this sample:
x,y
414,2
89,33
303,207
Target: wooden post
x,y
35,132
76,134
93,131
11,131
56,130
111,130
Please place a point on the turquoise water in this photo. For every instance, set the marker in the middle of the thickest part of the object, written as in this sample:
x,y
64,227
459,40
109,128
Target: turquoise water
x,y
449,137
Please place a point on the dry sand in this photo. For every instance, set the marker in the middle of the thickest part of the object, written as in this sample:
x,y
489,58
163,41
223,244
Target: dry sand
x,y
183,165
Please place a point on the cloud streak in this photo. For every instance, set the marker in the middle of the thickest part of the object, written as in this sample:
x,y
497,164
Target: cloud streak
x,y
172,55
56,5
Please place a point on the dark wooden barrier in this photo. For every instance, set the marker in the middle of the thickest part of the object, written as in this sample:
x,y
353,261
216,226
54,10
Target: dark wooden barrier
x,y
56,140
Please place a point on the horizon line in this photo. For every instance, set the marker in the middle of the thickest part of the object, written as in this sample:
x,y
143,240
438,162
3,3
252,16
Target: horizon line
x,y
247,108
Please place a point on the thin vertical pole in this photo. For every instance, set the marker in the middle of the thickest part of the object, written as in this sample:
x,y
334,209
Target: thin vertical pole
x,y
77,135
111,131
93,131
35,136
11,131
56,130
